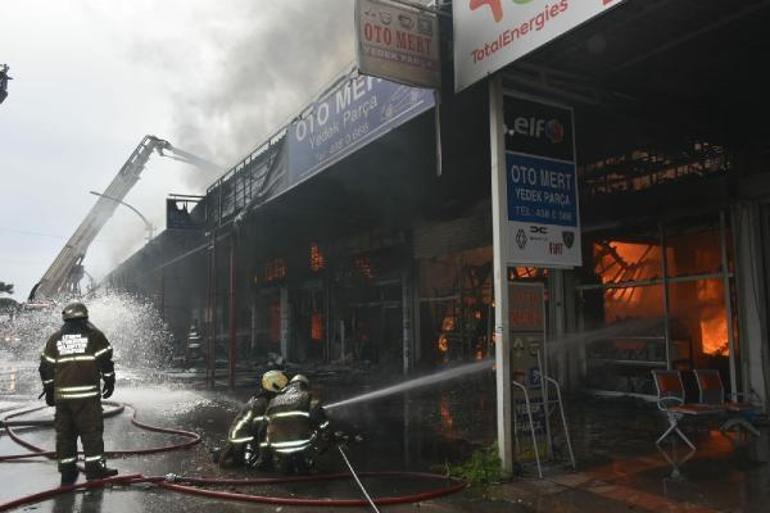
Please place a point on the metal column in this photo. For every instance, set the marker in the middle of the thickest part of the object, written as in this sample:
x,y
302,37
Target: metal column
x,y
232,317
502,328
406,320
285,322
666,306
728,307
212,312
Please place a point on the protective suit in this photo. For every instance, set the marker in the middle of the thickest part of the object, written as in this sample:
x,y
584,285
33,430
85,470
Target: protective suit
x,y
248,429
296,427
74,362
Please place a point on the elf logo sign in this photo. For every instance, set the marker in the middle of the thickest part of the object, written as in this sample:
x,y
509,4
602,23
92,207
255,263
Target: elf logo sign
x,y
551,129
489,34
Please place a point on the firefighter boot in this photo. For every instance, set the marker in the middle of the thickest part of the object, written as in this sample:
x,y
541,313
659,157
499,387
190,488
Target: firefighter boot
x,y
69,474
99,470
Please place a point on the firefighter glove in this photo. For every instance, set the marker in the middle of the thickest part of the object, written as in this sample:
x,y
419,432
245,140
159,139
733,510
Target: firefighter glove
x,y
109,387
48,392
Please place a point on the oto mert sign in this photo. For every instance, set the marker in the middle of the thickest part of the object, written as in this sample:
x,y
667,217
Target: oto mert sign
x,y
350,116
489,34
398,43
543,225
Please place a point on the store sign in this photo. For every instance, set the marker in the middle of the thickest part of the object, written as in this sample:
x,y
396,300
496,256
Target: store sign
x,y
179,216
489,34
543,227
398,43
352,115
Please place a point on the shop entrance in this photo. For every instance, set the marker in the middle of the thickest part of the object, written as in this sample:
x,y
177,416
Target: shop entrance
x,y
661,297
378,325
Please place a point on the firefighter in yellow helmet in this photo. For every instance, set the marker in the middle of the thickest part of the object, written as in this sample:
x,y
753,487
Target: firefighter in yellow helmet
x,y
248,429
297,427
74,362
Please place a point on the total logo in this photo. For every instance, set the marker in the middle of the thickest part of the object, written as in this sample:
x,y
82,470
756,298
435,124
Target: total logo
x,y
537,128
495,6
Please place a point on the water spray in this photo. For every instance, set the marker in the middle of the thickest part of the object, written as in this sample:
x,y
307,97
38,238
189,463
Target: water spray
x,y
432,379
582,338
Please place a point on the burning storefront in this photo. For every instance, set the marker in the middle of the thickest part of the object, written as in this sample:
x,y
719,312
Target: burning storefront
x,y
375,252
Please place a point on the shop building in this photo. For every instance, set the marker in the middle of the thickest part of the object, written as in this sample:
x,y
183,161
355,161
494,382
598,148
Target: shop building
x,y
384,256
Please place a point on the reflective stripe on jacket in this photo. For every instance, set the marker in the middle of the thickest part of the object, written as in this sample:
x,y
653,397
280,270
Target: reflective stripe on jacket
x,y
291,424
249,421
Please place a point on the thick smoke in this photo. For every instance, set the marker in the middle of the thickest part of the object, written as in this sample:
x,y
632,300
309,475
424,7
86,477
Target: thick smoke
x,y
291,50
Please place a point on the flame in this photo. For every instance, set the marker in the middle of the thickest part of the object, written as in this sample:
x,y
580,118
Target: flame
x,y
703,311
619,262
317,260
443,343
713,322
316,327
447,420
714,336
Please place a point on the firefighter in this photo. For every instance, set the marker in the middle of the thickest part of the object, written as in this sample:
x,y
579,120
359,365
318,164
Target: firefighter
x,y
297,427
248,429
73,362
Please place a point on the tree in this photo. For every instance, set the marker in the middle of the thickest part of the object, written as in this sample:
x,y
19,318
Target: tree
x,y
6,288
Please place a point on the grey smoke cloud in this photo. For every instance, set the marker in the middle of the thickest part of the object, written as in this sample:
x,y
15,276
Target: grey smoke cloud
x,y
92,77
258,65
289,52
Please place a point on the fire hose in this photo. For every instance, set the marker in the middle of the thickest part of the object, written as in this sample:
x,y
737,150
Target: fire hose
x,y
190,485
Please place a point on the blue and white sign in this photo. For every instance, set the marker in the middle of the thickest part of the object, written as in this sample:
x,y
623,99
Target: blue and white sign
x,y
541,185
541,191
351,116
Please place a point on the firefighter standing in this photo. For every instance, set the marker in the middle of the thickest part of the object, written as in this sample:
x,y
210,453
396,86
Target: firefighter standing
x,y
248,429
73,361
296,427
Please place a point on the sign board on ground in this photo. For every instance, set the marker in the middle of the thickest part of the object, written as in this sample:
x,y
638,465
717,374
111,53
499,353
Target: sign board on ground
x,y
526,308
543,215
489,34
398,43
350,116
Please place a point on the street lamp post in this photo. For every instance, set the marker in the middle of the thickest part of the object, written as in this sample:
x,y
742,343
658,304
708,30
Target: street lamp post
x,y
147,224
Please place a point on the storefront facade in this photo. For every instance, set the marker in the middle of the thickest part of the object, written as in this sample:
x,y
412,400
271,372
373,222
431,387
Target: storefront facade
x,y
384,256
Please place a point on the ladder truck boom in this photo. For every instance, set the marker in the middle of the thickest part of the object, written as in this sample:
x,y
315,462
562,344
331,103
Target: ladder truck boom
x,y
66,271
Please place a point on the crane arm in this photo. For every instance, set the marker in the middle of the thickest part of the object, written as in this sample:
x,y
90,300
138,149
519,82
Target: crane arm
x,y
65,272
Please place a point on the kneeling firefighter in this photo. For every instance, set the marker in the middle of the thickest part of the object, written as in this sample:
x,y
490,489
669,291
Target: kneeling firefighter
x,y
297,427
73,362
248,429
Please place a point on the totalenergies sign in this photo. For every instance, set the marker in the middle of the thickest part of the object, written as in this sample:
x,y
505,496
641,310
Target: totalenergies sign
x,y
489,34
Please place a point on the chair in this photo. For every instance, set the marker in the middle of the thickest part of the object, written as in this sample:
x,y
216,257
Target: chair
x,y
671,402
712,392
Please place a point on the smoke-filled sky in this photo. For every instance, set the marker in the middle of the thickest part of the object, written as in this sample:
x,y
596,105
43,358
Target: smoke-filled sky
x,y
91,78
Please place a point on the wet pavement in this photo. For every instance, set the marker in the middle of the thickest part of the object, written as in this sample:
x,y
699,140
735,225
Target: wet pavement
x,y
619,468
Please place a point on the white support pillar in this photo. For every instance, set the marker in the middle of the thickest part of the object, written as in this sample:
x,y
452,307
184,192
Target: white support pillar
x,y
752,300
502,328
558,355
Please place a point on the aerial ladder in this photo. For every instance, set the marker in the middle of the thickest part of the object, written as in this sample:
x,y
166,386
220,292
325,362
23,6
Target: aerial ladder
x,y
4,78
65,273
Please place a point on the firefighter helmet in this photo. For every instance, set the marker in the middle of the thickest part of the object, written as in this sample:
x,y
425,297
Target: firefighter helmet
x,y
274,380
300,378
74,311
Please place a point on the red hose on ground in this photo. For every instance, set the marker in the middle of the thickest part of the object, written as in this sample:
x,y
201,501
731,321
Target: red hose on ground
x,y
194,438
172,484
